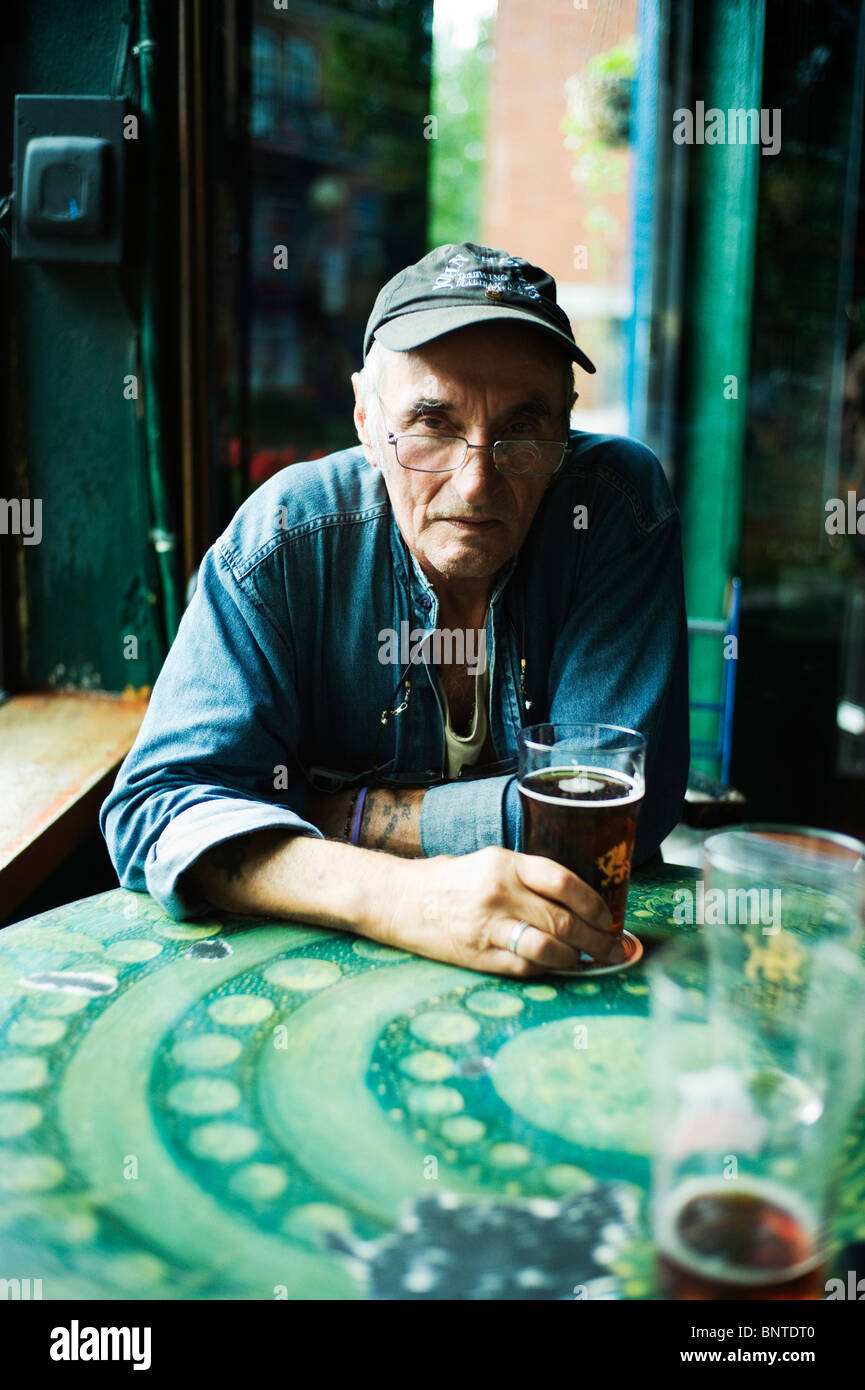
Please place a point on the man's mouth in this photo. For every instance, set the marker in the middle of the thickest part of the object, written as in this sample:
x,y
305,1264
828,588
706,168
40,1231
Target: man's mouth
x,y
471,523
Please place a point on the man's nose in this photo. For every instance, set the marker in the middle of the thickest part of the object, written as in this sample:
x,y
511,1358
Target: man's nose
x,y
478,471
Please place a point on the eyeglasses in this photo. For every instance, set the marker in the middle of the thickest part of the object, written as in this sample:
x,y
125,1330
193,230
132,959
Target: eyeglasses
x,y
438,453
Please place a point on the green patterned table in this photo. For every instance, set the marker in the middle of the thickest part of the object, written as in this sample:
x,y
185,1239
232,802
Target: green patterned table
x,y
236,1110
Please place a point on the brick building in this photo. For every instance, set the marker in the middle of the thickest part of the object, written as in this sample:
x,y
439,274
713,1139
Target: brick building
x,y
533,204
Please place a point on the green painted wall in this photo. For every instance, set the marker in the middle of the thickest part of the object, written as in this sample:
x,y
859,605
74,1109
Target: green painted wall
x,y
90,580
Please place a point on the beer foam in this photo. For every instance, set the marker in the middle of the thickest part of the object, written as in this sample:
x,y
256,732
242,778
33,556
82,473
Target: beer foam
x,y
715,1267
583,780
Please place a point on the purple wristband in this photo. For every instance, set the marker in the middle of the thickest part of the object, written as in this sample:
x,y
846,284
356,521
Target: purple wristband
x,y
358,815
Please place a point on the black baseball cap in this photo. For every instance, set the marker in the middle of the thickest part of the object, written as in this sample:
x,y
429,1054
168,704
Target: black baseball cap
x,y
457,285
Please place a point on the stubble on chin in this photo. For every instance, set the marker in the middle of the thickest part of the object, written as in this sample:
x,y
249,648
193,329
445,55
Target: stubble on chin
x,y
477,564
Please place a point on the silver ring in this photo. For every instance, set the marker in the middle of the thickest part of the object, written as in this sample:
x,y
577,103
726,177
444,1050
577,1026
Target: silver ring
x,y
516,936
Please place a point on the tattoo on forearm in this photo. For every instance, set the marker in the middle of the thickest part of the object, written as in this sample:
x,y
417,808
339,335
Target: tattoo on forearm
x,y
382,839
397,816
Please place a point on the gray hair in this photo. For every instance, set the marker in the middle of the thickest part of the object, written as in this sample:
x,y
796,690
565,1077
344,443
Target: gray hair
x,y
370,374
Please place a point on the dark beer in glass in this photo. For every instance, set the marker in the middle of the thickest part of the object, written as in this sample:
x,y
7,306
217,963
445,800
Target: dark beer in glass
x,y
751,1102
581,787
738,1240
586,820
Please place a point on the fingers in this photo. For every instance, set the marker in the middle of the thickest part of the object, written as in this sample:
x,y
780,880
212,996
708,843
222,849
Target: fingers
x,y
506,963
551,880
539,948
566,908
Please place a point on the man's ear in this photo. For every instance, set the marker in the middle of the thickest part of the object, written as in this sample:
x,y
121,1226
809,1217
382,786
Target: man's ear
x,y
361,420
359,410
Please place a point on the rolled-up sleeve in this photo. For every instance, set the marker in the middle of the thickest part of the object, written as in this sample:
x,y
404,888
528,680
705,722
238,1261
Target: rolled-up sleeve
x,y
470,815
215,755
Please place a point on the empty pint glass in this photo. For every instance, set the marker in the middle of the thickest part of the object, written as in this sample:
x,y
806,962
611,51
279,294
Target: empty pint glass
x,y
752,1096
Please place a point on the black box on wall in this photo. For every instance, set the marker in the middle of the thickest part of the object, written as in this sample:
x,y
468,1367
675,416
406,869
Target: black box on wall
x,y
70,155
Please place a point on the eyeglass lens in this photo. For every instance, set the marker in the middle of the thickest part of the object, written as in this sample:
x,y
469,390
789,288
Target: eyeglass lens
x,y
431,453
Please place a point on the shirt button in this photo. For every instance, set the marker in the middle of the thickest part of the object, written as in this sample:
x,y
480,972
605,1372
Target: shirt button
x,y
426,602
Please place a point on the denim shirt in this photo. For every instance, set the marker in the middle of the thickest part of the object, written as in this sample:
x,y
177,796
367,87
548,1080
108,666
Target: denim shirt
x,y
276,670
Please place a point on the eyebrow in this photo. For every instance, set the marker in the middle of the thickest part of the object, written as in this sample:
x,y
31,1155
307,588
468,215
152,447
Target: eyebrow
x,y
538,406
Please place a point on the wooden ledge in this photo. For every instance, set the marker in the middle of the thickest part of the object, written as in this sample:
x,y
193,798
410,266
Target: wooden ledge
x,y
59,754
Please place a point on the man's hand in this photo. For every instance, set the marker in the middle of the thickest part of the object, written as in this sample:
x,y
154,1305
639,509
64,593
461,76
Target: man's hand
x,y
455,908
462,910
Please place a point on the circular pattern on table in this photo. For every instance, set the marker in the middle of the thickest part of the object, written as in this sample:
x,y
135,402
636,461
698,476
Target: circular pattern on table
x,y
259,1182
240,1010
224,1142
181,931
630,985
133,951
546,1079
314,1219
540,1146
285,1086
372,950
650,904
22,1073
427,1066
434,1100
495,1003
29,1172
207,1051
463,1129
563,1178
204,1095
58,1004
65,1220
134,1270
55,941
509,1155
18,1117
444,1026
300,973
59,999
36,1032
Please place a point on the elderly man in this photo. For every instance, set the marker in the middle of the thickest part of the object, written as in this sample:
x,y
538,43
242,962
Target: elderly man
x,y
315,750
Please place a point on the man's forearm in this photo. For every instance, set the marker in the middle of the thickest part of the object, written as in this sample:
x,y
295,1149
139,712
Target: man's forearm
x,y
297,877
390,820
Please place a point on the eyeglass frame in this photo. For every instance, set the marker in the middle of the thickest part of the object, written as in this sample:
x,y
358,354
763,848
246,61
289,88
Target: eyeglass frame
x,y
393,439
